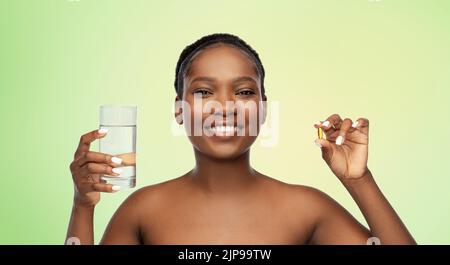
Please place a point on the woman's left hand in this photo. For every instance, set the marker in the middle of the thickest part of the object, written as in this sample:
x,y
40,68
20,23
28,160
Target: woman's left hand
x,y
345,148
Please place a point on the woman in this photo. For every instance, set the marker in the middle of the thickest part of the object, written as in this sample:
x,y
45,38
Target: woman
x,y
223,200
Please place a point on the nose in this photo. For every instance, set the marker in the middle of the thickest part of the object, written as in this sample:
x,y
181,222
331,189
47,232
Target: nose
x,y
227,105
225,112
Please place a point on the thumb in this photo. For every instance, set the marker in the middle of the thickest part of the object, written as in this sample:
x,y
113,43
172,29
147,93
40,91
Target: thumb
x,y
326,147
324,144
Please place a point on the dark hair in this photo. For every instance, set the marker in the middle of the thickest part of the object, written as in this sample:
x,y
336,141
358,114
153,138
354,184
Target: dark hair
x,y
185,59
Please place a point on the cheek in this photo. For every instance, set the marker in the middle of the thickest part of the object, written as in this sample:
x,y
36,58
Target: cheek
x,y
253,114
192,117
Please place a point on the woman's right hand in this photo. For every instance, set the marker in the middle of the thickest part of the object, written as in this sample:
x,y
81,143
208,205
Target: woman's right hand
x,y
88,166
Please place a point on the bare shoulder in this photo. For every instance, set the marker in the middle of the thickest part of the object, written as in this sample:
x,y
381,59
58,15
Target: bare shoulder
x,y
304,196
155,194
126,224
146,201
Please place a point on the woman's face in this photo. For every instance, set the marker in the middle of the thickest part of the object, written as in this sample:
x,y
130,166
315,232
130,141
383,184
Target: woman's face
x,y
223,92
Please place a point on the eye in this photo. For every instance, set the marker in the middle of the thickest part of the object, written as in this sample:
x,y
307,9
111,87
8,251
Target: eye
x,y
246,92
202,92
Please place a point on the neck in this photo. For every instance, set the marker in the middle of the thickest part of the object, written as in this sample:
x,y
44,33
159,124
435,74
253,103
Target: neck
x,y
223,175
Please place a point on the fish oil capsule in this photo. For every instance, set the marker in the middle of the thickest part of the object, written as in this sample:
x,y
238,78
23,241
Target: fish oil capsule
x,y
320,133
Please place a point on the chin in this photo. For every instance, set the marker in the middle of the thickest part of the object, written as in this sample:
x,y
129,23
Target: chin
x,y
223,150
225,153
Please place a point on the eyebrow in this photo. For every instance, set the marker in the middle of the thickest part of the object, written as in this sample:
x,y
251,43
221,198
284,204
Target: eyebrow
x,y
203,78
235,80
244,78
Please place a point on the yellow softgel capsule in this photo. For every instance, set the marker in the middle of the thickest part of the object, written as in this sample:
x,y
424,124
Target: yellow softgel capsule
x,y
320,133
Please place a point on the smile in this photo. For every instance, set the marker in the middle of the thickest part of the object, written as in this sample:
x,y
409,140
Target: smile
x,y
223,130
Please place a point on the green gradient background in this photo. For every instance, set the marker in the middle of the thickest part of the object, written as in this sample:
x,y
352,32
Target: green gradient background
x,y
388,61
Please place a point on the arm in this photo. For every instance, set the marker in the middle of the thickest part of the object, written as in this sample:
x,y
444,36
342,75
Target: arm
x,y
345,150
123,228
81,224
86,169
383,221
334,225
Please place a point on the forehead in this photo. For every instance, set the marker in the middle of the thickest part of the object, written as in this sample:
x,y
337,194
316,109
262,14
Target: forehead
x,y
222,62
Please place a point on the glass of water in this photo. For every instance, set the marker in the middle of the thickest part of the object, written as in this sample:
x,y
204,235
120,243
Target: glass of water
x,y
120,141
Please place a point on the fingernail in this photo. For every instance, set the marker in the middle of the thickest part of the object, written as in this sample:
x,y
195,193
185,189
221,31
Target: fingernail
x,y
116,160
355,124
339,140
115,187
102,131
326,123
117,170
317,143
318,123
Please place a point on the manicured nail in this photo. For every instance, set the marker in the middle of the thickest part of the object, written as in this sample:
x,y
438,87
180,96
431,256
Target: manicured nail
x,y
355,124
116,160
339,140
326,123
317,143
117,170
102,131
115,188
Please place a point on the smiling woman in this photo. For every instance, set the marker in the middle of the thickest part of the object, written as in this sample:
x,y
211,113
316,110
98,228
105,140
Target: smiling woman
x,y
223,199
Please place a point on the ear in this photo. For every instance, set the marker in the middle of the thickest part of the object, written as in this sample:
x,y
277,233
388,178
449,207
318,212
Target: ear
x,y
178,110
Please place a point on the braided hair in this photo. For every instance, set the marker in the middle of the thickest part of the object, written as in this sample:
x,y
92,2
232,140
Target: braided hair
x,y
187,55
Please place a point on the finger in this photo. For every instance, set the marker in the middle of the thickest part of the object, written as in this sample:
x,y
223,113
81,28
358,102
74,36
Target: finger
x,y
361,124
97,157
334,119
326,147
334,122
87,139
345,127
330,126
95,168
102,187
128,159
323,143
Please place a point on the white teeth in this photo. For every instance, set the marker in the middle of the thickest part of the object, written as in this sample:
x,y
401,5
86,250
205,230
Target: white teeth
x,y
224,129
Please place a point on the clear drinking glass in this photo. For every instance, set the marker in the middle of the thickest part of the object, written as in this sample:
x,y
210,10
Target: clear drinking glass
x,y
120,141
